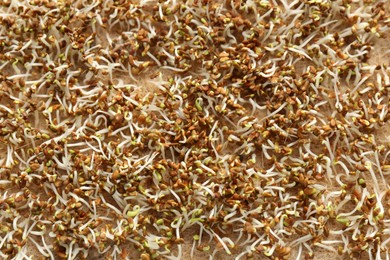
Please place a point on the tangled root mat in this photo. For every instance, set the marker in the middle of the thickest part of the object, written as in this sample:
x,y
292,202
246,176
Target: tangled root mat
x,y
194,129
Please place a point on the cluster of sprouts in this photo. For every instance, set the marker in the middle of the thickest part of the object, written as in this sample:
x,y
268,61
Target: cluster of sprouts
x,y
200,128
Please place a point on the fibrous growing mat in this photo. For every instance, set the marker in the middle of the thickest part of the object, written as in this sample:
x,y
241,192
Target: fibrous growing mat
x,y
205,129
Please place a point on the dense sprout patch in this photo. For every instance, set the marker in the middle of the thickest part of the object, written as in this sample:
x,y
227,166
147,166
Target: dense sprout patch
x,y
249,128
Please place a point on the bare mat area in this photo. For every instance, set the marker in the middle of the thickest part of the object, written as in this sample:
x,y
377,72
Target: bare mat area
x,y
194,129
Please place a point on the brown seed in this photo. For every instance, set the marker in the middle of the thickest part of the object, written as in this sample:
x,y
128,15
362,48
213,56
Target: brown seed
x,y
145,256
310,191
118,118
34,166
